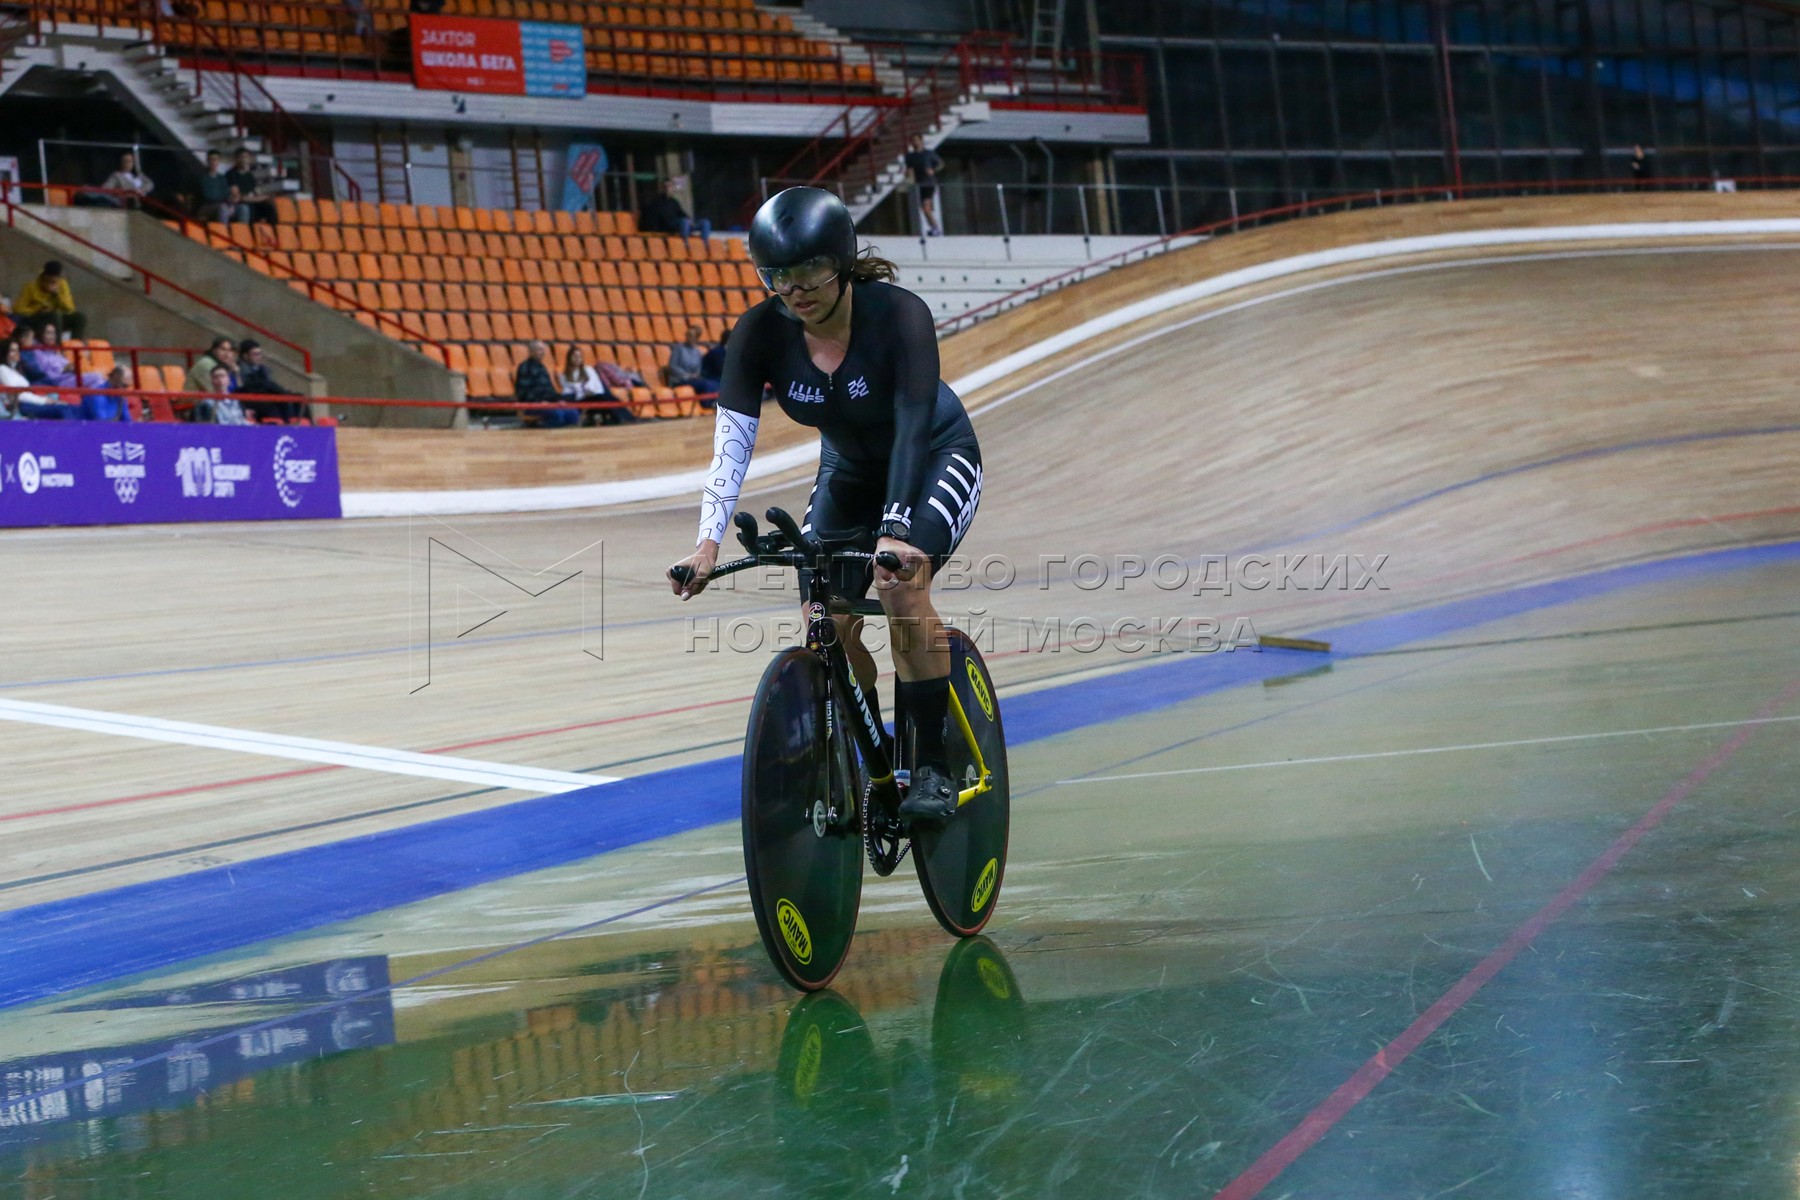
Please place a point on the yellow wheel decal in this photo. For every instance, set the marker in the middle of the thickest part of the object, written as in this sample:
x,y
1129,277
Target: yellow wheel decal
x,y
794,931
984,886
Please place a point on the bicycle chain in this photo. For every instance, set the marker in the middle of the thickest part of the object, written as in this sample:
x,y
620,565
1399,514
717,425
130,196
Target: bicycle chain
x,y
887,848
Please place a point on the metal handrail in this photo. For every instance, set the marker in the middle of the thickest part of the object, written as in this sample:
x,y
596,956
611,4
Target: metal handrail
x,y
1376,198
51,10
313,284
150,278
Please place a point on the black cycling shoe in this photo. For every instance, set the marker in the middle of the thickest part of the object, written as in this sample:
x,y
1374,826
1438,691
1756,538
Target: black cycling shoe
x,y
931,797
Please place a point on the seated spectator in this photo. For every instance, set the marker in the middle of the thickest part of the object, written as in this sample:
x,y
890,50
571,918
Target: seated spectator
x,y
219,408
685,366
254,379
7,324
14,405
662,213
712,363
222,353
617,377
47,364
130,181
215,192
582,382
532,385
47,300
246,199
98,406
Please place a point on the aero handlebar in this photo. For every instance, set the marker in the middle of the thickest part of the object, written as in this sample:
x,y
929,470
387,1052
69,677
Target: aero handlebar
x,y
786,547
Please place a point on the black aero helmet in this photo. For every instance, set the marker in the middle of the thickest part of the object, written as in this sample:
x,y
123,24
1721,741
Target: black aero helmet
x,y
801,223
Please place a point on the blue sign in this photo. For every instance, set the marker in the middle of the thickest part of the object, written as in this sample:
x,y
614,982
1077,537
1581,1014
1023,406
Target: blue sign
x,y
586,163
120,473
555,60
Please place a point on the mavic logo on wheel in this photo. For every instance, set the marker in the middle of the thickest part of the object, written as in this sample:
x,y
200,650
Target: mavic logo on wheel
x,y
979,686
794,932
984,886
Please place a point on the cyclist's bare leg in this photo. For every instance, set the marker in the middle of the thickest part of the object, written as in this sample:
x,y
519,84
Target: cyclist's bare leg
x,y
919,646
862,663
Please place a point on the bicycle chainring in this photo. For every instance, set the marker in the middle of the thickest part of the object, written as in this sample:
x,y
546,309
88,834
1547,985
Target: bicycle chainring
x,y
884,837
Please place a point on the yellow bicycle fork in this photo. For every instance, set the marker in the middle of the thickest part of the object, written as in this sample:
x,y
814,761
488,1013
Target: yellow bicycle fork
x,y
985,782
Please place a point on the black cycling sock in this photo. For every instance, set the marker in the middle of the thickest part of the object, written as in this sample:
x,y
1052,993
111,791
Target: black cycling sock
x,y
927,703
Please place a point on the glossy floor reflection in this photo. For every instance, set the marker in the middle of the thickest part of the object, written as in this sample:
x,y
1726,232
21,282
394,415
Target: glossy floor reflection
x,y
1214,916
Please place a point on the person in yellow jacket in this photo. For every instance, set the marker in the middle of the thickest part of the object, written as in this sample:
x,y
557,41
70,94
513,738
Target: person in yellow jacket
x,y
47,300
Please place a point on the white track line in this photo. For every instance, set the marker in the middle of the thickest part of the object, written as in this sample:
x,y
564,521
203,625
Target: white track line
x,y
657,487
275,745
1337,758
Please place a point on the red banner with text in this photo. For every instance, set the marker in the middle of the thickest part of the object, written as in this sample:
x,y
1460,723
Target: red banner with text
x,y
468,54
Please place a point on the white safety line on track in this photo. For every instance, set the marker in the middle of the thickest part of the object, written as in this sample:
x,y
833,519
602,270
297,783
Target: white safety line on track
x,y
276,745
1337,758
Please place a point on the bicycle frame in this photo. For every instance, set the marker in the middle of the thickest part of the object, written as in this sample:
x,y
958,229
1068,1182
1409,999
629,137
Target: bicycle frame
x,y
790,548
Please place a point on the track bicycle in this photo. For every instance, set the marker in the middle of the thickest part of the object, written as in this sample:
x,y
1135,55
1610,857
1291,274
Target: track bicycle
x,y
823,780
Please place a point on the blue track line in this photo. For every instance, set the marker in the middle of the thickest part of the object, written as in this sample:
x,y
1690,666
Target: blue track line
x,y
66,944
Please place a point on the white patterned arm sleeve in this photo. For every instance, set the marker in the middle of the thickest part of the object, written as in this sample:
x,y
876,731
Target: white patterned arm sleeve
x,y
734,437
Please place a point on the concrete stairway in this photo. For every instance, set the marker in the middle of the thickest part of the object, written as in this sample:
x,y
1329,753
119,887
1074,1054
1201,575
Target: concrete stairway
x,y
144,78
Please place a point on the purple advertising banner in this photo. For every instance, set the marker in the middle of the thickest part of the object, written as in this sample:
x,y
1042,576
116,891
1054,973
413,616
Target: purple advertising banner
x,y
112,473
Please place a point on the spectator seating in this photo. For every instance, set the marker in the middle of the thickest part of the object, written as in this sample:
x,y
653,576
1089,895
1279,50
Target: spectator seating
x,y
723,41
471,287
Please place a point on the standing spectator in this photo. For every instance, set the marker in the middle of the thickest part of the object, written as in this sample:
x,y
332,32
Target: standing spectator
x,y
245,199
1640,167
47,300
130,181
254,379
580,381
220,354
925,165
98,406
15,405
532,385
215,190
662,213
219,408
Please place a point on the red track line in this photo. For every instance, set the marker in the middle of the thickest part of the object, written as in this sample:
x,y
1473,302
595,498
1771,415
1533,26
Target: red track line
x,y
516,737
180,791
248,779
1317,1123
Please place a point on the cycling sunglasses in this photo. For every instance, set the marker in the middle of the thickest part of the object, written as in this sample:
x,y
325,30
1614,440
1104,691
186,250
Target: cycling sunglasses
x,y
814,273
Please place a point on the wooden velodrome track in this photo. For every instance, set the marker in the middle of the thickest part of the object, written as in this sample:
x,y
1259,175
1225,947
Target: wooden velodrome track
x,y
1481,418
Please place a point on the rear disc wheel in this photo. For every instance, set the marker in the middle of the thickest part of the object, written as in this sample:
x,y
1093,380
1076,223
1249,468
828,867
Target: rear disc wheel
x,y
962,861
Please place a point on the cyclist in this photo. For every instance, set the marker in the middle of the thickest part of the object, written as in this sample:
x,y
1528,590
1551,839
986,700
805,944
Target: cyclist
x,y
847,352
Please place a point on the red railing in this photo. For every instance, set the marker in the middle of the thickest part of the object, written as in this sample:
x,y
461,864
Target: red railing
x,y
274,268
77,352
151,279
166,29
182,401
1446,192
150,400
